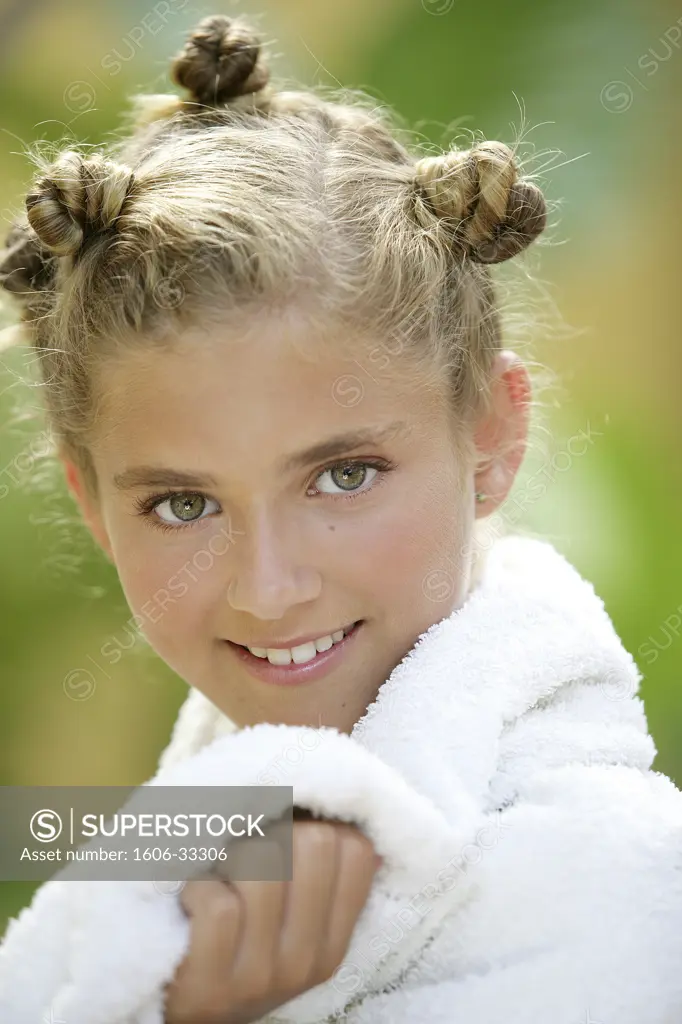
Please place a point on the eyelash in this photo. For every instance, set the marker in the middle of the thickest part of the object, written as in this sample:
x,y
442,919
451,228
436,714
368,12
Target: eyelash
x,y
146,506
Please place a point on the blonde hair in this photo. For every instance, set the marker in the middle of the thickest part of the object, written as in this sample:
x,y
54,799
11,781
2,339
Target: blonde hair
x,y
243,197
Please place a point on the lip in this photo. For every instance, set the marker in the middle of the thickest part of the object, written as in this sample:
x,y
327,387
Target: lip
x,y
292,674
297,640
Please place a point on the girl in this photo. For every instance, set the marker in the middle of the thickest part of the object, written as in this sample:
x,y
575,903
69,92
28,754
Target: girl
x,y
269,334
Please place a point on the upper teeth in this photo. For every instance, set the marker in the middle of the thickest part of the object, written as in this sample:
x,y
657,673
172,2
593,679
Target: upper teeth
x,y
302,653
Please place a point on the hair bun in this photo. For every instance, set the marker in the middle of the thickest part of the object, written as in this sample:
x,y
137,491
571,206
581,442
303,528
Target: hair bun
x,y
495,214
26,265
75,196
220,61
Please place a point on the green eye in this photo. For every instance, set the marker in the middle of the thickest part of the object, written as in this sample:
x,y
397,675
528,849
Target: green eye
x,y
174,509
187,507
348,477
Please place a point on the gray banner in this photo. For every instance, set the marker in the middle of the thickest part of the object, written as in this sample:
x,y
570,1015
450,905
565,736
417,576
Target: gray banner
x,y
160,833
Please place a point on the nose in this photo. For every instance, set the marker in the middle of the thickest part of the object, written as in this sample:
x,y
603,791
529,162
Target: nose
x,y
271,571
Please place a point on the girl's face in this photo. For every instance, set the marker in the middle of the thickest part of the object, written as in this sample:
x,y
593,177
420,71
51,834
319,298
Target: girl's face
x,y
250,495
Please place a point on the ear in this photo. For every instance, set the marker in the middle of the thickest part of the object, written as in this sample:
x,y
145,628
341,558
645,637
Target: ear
x,y
88,505
501,436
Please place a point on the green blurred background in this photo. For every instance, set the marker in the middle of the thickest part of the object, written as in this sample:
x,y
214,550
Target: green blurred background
x,y
593,89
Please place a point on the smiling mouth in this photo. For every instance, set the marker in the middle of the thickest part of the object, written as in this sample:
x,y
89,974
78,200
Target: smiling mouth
x,y
307,669
300,654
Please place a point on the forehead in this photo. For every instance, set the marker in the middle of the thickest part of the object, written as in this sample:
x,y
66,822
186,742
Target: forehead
x,y
218,396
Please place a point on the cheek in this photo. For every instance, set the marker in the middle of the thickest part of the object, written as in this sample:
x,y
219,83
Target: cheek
x,y
170,587
414,544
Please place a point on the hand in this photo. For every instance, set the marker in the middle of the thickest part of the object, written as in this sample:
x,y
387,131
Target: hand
x,y
256,945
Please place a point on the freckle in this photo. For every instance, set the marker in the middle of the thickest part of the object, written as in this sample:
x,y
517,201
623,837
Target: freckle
x,y
331,527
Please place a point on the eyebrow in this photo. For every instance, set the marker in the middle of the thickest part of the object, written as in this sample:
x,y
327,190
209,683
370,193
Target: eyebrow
x,y
159,476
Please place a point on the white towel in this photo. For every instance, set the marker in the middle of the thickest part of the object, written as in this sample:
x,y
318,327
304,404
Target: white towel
x,y
532,859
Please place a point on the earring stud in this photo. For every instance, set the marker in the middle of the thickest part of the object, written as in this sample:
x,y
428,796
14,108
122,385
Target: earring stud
x,y
480,496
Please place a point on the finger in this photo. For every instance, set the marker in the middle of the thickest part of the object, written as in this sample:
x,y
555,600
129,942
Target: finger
x,y
357,867
263,904
255,858
215,913
308,901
